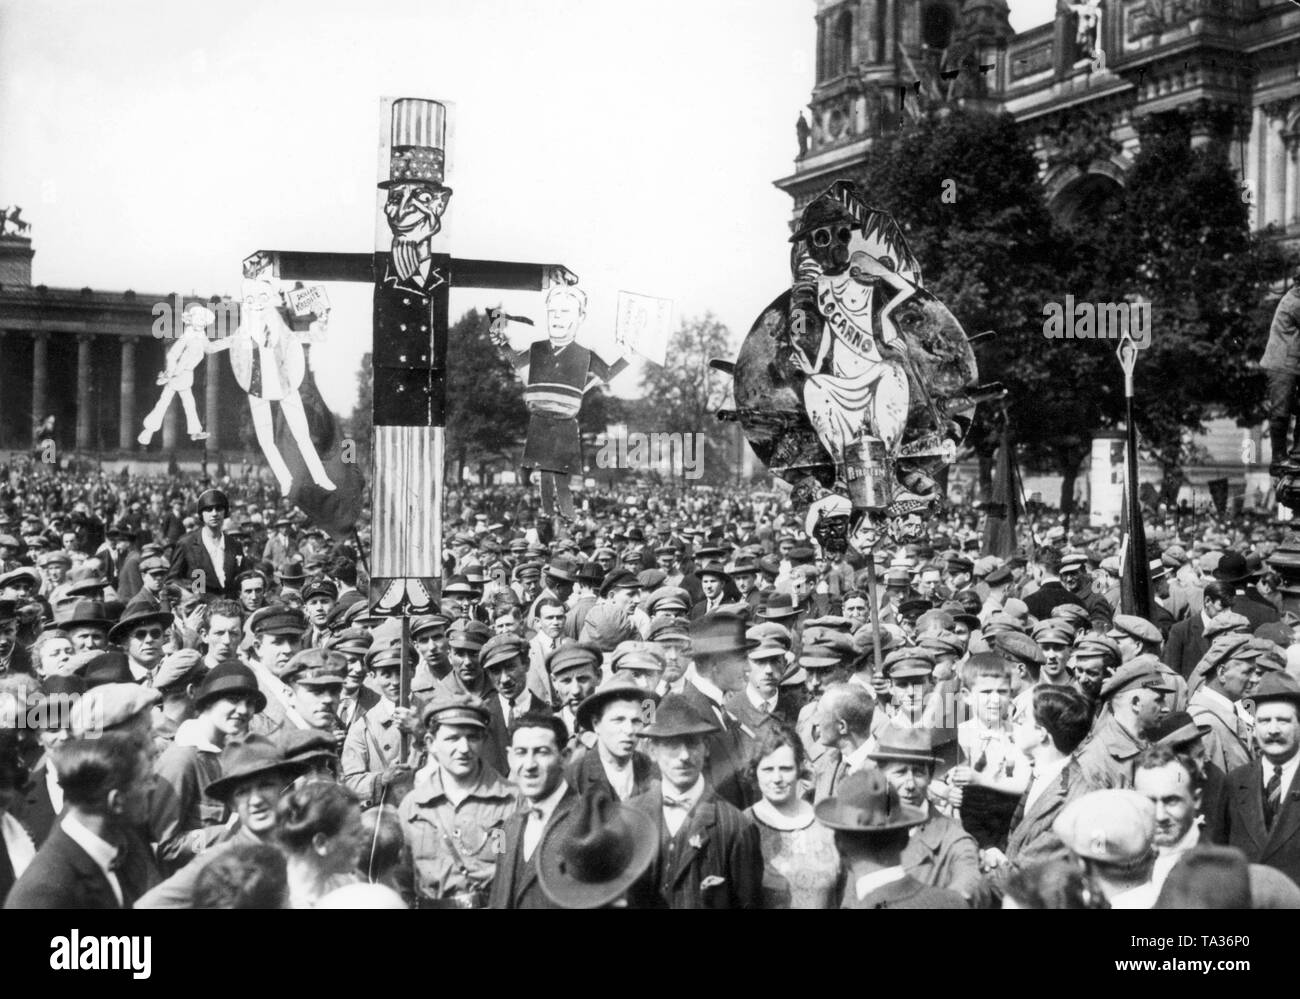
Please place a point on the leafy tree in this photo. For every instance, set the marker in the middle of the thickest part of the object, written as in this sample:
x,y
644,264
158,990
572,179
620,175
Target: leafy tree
x,y
486,418
359,426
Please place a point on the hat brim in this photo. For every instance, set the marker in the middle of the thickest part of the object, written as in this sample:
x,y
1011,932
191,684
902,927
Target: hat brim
x,y
569,893
124,626
833,815
596,701
902,756
222,787
700,728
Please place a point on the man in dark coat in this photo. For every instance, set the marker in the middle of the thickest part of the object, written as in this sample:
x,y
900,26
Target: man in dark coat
x,y
537,766
719,647
872,829
616,713
709,852
94,858
1051,592
1187,642
195,551
1263,805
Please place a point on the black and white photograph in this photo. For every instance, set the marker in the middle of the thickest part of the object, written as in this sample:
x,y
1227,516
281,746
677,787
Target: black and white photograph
x,y
784,454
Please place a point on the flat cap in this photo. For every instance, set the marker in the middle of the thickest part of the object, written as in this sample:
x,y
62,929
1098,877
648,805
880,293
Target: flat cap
x,y
1114,826
350,641
501,649
1054,631
1097,646
1020,647
316,668
277,621
664,628
908,662
425,623
1132,626
320,586
1141,672
574,655
455,709
109,705
1074,562
637,656
1227,622
468,634
178,670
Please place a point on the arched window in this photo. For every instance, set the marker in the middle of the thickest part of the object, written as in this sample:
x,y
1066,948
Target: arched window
x,y
841,44
881,35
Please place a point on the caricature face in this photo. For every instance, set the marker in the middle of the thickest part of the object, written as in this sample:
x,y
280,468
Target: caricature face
x,y
257,295
564,312
415,211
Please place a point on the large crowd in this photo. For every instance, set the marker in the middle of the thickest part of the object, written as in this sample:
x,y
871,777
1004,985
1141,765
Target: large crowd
x,y
676,700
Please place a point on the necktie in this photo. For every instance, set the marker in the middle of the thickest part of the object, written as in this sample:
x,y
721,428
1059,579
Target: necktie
x,y
1273,796
682,804
510,712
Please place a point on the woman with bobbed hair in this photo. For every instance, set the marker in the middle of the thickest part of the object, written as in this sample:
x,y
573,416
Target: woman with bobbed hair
x,y
319,828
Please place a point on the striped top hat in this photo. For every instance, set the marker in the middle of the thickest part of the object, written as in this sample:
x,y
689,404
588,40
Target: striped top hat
x,y
418,142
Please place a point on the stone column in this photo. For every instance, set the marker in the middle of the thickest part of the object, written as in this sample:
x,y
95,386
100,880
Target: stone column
x,y
172,426
40,375
1275,150
1254,143
126,429
85,418
1290,206
211,408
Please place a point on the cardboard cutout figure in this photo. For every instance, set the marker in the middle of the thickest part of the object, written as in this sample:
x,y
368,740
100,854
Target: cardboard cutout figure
x,y
177,377
267,359
852,386
559,373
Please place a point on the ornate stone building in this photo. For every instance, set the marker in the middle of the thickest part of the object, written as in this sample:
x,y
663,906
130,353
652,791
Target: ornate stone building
x,y
1082,84
89,358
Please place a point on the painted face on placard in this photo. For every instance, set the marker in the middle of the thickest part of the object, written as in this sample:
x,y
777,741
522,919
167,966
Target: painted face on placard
x,y
414,211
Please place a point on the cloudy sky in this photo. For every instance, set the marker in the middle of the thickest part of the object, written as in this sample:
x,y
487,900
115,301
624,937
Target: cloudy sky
x,y
153,145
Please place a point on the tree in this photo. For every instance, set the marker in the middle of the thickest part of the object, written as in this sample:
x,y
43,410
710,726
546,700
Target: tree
x,y
486,418
359,426
684,393
965,188
1183,241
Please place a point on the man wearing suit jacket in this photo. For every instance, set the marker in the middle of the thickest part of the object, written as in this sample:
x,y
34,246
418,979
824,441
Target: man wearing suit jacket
x,y
1048,733
719,646
94,858
709,852
537,766
504,659
1218,703
872,829
209,551
1263,798
1187,641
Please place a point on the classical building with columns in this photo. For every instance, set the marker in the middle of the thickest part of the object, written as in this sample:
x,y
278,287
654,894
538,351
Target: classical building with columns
x,y
1085,86
89,359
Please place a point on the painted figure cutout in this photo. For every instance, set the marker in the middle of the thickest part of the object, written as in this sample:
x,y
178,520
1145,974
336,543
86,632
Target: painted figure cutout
x,y
177,377
267,359
559,372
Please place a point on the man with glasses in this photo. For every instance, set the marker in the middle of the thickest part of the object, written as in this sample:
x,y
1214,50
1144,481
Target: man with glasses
x,y
141,635
205,560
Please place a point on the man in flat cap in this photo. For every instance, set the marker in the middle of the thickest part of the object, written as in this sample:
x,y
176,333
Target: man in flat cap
x,y
504,659
466,639
277,637
371,759
575,673
1136,636
454,818
1136,697
1262,814
872,830
709,854
1111,834
1232,668
315,679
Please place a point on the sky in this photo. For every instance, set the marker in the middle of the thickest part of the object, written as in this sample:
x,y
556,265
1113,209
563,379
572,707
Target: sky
x,y
154,145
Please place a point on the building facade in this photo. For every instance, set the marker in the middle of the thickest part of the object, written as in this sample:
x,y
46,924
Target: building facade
x,y
89,359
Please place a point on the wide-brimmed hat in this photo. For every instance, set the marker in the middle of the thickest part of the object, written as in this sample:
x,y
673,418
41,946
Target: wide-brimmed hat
x,y
610,690
81,613
252,756
594,860
866,802
908,745
129,622
675,718
719,634
779,607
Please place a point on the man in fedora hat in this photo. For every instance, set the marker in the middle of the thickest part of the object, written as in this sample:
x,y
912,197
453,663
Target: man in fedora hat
x,y
593,860
718,589
141,636
720,647
454,818
586,587
872,829
940,853
709,853
86,622
203,560
225,702
1263,800
254,774
616,713
1233,570
537,768
1180,732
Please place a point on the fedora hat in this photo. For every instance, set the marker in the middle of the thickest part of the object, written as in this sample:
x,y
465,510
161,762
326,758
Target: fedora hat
x,y
907,745
81,613
675,718
252,756
779,607
610,690
130,622
720,633
866,802
593,860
